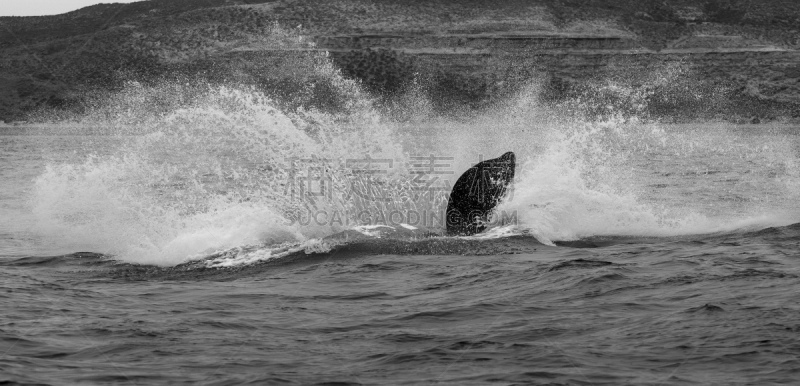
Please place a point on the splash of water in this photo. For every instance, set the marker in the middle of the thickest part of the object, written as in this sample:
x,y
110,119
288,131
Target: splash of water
x,y
209,174
617,175
199,169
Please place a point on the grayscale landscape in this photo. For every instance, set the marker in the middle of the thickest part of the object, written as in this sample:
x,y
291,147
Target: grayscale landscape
x,y
352,192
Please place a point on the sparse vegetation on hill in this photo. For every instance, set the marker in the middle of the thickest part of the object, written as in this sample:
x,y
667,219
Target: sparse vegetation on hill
x,y
56,61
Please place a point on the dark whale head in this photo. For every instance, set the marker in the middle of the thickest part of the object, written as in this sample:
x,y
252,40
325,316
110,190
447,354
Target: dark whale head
x,y
477,192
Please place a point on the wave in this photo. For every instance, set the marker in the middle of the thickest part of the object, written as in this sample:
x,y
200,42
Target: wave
x,y
374,241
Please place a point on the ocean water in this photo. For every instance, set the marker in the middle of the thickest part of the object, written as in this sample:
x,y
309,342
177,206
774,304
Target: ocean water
x,y
230,241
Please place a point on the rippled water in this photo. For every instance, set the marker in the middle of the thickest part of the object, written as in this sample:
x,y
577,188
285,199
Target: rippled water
x,y
160,253
716,308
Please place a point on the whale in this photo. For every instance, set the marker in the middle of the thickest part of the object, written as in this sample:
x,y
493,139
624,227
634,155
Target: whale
x,y
476,193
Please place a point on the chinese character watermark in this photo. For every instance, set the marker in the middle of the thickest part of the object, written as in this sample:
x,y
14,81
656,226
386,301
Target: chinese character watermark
x,y
309,178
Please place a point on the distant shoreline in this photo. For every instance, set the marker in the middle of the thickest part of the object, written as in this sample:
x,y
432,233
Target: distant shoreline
x,y
469,58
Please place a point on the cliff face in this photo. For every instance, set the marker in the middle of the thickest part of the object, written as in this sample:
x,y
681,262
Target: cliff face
x,y
469,53
760,81
517,43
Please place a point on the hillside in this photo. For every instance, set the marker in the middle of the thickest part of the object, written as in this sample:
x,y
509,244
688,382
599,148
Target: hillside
x,y
470,53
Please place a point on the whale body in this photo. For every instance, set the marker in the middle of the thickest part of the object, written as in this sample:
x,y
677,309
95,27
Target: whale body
x,y
476,193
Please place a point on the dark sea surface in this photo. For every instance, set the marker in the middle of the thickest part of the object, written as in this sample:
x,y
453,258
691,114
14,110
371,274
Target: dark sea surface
x,y
638,254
